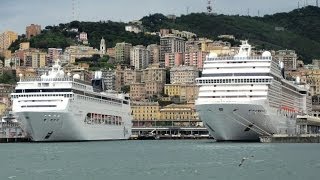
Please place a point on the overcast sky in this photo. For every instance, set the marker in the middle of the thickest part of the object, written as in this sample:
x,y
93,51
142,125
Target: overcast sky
x,y
16,14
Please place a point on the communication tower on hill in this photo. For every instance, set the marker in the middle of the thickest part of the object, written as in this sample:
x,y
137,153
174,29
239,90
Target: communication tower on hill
x,y
209,7
75,10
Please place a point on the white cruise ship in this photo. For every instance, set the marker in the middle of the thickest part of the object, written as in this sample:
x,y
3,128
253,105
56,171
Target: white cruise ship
x,y
243,97
56,107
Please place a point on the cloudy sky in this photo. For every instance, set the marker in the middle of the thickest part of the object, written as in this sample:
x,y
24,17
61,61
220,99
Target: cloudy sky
x,y
16,14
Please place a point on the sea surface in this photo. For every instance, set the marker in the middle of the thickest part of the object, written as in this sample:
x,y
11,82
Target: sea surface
x,y
155,160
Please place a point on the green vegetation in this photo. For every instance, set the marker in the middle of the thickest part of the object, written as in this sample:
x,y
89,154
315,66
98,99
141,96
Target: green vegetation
x,y
301,29
2,59
62,35
125,89
96,62
7,77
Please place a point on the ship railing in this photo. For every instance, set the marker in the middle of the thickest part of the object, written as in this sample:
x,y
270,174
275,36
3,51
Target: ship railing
x,y
240,58
45,79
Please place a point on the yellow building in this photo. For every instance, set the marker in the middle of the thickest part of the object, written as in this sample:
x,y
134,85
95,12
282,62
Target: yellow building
x,y
38,59
186,92
218,47
77,52
6,38
150,114
3,108
182,115
6,54
145,111
24,45
176,112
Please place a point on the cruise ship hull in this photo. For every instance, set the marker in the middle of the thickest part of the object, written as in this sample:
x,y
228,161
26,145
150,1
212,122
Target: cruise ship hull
x,y
65,126
68,121
242,122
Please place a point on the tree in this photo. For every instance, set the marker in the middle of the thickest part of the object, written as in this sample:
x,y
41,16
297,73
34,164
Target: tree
x,y
11,64
2,59
7,78
125,89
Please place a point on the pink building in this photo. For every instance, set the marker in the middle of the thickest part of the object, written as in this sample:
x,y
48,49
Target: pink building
x,y
195,58
174,59
83,36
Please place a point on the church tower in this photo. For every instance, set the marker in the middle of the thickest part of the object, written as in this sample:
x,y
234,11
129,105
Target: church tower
x,y
102,47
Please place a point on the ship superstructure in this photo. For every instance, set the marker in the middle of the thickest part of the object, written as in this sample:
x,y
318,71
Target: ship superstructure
x,y
58,107
243,97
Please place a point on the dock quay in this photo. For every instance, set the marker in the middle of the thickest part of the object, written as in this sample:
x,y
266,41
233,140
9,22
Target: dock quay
x,y
14,139
302,138
158,133
308,131
10,131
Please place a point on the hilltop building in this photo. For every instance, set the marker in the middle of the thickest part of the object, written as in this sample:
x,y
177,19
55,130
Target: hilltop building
x,y
33,30
83,37
24,46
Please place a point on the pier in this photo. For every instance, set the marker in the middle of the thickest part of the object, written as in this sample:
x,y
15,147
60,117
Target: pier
x,y
11,132
308,131
169,133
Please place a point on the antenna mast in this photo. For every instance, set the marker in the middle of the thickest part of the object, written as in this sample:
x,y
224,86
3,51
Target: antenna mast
x,y
75,13
209,7
317,3
73,10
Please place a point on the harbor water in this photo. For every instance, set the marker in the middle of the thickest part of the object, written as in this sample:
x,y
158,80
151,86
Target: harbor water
x,y
145,160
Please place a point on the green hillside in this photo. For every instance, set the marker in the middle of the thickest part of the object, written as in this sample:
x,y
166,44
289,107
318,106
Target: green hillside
x,y
62,36
302,31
